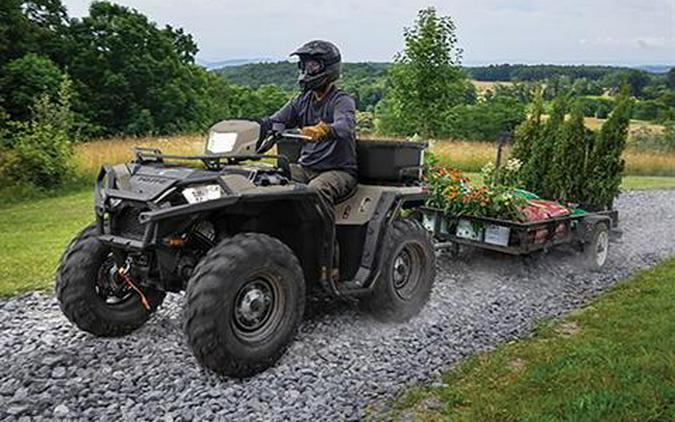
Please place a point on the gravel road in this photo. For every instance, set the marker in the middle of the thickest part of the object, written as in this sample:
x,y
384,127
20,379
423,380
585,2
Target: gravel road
x,y
341,362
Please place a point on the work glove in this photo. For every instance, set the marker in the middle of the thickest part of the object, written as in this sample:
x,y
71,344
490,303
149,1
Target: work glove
x,y
317,132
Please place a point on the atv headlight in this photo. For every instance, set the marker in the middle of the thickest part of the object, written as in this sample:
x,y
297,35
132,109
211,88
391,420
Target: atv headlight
x,y
203,193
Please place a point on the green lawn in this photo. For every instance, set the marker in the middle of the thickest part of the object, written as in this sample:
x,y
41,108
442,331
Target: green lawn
x,y
33,235
613,360
647,182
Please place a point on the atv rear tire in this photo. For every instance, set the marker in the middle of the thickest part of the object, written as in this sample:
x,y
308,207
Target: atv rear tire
x,y
245,302
77,279
408,273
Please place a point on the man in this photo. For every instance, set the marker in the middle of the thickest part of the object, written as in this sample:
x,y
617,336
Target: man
x,y
326,115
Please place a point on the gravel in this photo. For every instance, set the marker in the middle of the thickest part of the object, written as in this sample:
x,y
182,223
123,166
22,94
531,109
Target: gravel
x,y
341,362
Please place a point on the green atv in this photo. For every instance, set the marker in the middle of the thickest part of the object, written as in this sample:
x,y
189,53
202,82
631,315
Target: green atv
x,y
246,243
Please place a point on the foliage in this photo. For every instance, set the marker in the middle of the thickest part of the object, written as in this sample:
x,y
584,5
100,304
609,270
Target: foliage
x,y
486,120
537,175
28,78
567,172
426,81
605,164
452,193
529,131
508,175
42,146
670,78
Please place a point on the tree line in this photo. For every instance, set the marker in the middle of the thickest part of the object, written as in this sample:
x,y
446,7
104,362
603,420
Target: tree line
x,y
129,76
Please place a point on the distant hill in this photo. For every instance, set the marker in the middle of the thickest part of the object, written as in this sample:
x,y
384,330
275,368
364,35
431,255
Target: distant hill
x,y
233,62
284,74
655,68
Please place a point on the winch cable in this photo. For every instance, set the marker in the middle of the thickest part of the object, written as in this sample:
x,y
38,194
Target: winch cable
x,y
122,273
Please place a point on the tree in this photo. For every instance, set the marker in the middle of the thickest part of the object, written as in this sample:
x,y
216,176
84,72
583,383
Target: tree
x,y
26,79
42,145
569,158
426,80
133,77
670,78
530,130
537,170
605,163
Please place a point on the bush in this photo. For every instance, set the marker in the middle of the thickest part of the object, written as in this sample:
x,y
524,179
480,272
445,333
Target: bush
x,y
42,148
486,120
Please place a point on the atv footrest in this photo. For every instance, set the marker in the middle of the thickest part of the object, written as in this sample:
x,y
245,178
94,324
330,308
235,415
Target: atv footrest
x,y
121,242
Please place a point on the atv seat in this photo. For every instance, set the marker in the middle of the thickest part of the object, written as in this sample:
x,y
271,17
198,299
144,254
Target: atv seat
x,y
348,196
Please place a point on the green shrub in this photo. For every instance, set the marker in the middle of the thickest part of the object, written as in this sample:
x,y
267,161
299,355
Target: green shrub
x,y
42,146
486,120
605,164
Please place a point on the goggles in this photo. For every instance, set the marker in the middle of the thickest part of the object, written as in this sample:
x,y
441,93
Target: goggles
x,y
311,66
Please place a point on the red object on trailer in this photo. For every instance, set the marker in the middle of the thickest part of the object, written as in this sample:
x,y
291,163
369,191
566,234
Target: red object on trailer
x,y
538,210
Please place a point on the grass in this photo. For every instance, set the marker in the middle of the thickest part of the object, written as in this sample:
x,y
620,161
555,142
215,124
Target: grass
x,y
34,234
91,155
472,156
612,360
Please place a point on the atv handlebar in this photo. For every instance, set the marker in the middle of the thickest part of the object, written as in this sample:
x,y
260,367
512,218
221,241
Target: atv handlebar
x,y
272,139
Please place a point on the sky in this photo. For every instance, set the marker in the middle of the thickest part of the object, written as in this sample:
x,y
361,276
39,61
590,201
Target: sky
x,y
620,32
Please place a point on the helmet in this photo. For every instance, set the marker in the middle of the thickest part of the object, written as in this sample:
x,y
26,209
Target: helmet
x,y
320,64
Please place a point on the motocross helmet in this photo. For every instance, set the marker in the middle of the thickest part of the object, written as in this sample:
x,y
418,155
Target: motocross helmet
x,y
320,64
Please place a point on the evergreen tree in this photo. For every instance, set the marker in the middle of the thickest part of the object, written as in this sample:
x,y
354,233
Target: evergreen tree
x,y
529,130
605,163
569,157
537,168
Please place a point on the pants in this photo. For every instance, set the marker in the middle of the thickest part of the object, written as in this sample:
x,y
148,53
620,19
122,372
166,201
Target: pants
x,y
332,185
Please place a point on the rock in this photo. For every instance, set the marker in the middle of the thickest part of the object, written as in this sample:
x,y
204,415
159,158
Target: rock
x,y
61,411
59,372
16,410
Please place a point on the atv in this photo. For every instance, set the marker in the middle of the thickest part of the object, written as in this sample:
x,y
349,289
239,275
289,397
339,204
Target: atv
x,y
247,244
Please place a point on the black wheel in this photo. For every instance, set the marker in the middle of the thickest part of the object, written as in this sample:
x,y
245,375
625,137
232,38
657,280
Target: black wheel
x,y
596,251
245,303
91,293
408,273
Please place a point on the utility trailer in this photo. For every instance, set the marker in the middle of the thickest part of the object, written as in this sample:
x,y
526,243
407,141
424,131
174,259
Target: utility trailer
x,y
591,232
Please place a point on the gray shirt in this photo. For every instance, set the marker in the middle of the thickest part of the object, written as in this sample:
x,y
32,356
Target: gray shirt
x,y
337,108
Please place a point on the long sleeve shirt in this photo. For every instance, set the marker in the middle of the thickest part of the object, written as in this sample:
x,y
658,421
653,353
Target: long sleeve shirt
x,y
336,108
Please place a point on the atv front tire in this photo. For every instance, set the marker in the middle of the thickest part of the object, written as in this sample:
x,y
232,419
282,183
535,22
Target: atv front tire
x,y
80,297
245,302
408,272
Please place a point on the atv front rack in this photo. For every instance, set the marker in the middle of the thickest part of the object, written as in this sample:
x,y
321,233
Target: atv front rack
x,y
143,155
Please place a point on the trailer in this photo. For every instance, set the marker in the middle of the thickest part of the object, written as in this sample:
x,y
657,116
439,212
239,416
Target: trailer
x,y
591,232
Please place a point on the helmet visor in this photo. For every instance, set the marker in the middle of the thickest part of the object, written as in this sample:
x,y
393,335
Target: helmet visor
x,y
311,66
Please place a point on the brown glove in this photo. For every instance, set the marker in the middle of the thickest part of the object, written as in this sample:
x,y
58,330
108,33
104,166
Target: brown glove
x,y
317,132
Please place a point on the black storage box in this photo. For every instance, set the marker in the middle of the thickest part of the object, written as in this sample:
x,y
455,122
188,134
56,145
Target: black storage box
x,y
379,161
390,161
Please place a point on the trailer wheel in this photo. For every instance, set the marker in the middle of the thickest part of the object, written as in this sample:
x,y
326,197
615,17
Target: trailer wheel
x,y
596,251
91,294
408,272
244,304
